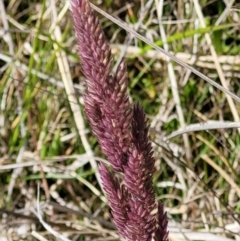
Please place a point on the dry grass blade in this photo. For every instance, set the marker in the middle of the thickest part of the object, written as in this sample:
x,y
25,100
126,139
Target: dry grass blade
x,y
222,173
45,225
173,81
179,234
210,125
147,41
38,236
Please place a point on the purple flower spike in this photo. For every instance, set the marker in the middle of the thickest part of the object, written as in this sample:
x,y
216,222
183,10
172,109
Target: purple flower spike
x,y
117,196
107,104
161,232
122,133
138,180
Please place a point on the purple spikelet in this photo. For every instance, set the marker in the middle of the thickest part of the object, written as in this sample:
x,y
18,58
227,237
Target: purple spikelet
x,y
122,133
118,198
138,179
161,233
106,102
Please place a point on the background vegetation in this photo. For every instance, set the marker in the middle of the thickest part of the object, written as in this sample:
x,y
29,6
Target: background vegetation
x,y
48,182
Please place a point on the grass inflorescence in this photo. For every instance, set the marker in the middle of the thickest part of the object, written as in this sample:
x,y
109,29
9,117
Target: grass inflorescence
x,y
45,138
